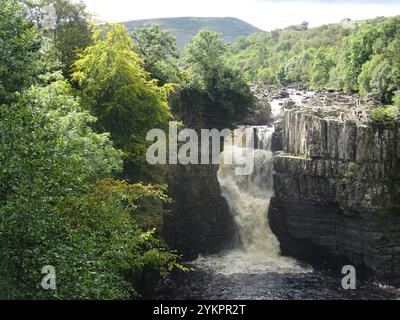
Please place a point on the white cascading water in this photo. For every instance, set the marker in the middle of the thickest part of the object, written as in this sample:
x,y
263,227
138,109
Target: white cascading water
x,y
249,199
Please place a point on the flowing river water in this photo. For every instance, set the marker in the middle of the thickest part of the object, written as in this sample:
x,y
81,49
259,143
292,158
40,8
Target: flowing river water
x,y
256,269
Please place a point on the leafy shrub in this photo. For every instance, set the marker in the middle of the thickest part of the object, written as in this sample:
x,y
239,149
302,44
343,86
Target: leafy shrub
x,y
388,117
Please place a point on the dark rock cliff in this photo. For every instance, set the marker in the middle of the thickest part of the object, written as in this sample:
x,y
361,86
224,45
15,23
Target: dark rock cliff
x,y
199,221
337,185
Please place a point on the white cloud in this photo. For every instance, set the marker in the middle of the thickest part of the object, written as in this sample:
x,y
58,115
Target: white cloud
x,y
265,14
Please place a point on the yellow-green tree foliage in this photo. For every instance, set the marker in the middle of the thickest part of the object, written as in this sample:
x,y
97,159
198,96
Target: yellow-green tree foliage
x,y
118,91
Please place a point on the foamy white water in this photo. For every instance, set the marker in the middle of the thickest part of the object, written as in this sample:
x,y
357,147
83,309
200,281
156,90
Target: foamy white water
x,y
249,199
294,95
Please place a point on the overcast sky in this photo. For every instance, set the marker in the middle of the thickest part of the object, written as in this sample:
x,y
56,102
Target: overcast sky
x,y
265,14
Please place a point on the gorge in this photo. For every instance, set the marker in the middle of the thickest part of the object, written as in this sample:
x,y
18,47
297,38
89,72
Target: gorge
x,y
85,191
323,192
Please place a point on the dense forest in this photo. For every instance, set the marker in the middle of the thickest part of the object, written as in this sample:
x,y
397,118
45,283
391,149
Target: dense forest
x,y
351,56
76,103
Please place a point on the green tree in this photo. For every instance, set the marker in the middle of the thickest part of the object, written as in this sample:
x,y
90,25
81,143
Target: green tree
x,y
72,29
204,56
297,68
324,62
73,32
157,48
19,49
227,96
355,50
381,74
117,91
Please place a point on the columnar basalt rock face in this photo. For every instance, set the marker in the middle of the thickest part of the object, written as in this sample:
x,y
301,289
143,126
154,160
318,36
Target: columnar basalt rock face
x,y
337,187
318,137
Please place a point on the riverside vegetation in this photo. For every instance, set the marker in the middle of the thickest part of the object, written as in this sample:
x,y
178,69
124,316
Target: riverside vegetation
x,y
75,190
77,101
351,56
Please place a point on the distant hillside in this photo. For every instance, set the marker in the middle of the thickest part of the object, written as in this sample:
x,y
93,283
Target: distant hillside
x,y
187,27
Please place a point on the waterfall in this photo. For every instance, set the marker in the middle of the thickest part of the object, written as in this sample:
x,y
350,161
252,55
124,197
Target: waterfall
x,y
249,197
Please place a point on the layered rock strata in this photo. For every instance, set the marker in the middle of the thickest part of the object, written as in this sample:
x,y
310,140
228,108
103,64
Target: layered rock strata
x,y
337,184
